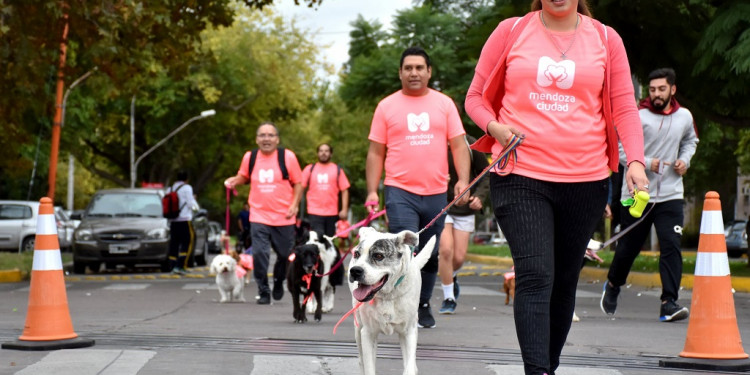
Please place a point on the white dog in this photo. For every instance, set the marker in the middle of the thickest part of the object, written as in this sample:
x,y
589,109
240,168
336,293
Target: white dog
x,y
230,286
383,270
328,257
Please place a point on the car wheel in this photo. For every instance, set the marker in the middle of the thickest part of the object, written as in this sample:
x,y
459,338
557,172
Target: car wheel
x,y
201,259
110,265
28,244
735,253
78,267
95,266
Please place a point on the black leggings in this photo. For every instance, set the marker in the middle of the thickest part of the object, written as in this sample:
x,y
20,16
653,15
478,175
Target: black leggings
x,y
548,226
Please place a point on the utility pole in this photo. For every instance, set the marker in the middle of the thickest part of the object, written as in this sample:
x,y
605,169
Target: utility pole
x,y
56,125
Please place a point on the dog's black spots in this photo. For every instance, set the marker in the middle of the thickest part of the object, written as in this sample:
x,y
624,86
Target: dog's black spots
x,y
383,249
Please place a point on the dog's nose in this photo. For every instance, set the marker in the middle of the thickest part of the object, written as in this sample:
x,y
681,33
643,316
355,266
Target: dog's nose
x,y
355,273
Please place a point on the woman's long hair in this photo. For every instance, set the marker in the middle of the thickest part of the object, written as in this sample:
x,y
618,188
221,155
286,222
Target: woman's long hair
x,y
583,7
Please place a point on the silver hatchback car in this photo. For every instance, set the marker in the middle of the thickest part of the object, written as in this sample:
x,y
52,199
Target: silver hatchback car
x,y
18,221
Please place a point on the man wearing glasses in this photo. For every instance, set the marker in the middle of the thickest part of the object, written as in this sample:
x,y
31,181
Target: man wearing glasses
x,y
275,193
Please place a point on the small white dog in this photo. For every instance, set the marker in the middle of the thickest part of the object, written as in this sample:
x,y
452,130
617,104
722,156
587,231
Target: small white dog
x,y
385,279
230,286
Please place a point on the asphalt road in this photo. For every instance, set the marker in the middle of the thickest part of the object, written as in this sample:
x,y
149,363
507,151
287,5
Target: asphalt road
x,y
150,323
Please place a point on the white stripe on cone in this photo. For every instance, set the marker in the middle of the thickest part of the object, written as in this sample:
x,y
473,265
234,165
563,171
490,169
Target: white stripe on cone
x,y
47,260
45,224
711,264
712,223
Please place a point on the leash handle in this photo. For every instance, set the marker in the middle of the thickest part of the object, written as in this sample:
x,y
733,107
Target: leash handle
x,y
502,159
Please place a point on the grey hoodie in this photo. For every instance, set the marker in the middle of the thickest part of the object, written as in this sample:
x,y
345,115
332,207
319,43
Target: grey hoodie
x,y
667,137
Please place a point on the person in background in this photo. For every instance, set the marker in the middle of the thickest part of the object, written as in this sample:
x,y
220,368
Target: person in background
x,y
459,223
274,204
670,143
407,139
182,234
560,80
325,181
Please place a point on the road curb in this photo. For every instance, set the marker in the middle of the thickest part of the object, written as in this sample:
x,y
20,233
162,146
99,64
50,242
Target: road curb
x,y
10,276
594,273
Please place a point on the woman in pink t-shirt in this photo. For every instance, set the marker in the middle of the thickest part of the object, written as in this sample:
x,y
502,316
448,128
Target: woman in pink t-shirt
x,y
561,79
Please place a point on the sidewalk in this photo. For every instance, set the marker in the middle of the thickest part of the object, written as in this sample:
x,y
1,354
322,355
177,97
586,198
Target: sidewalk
x,y
596,273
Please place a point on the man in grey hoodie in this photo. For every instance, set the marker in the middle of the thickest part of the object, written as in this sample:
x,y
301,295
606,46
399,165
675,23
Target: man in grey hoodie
x,y
670,141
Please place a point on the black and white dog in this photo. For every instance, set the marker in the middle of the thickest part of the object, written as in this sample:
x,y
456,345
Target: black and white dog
x,y
385,274
329,257
303,281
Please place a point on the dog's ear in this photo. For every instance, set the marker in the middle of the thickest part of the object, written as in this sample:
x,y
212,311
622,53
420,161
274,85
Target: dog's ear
x,y
365,231
408,237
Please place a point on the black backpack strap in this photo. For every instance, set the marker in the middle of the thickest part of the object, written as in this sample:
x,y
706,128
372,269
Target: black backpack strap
x,y
251,164
310,175
282,163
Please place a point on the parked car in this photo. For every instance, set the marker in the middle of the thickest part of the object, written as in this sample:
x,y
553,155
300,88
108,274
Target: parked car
x,y
18,221
736,237
126,227
215,232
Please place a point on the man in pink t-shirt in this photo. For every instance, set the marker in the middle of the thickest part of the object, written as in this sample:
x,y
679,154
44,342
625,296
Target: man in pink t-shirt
x,y
408,137
324,181
275,193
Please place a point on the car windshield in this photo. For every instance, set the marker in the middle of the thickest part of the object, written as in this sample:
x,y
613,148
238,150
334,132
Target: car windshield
x,y
125,205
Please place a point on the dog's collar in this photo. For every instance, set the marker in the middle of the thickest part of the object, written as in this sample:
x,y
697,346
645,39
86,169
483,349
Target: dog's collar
x,y
400,279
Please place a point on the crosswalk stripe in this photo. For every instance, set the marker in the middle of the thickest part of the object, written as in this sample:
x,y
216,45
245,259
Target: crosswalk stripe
x,y
297,364
518,370
90,361
127,286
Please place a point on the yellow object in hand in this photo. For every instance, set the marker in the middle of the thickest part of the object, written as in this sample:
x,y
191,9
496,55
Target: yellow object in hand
x,y
640,201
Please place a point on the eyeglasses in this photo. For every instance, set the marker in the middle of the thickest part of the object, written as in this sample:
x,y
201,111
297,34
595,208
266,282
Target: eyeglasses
x,y
262,136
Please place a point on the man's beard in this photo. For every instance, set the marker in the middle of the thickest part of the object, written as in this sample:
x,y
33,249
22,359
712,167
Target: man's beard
x,y
324,159
661,106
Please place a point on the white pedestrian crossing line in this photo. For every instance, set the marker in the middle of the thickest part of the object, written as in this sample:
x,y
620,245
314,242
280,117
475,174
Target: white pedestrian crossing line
x,y
90,361
297,364
199,286
127,286
518,370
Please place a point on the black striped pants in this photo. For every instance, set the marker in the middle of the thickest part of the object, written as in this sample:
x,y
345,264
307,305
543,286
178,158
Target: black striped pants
x,y
548,225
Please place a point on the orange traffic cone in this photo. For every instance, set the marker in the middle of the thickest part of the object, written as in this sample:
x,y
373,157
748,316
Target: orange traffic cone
x,y
48,325
713,338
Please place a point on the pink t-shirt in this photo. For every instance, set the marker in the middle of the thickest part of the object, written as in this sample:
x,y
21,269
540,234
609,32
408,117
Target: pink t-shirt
x,y
323,190
557,103
271,195
415,131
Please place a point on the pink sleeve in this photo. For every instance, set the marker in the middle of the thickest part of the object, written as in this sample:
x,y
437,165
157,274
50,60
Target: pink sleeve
x,y
624,109
488,59
343,181
306,175
292,165
455,126
378,128
243,166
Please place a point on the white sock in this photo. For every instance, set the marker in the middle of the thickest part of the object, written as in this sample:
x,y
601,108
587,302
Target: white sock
x,y
448,291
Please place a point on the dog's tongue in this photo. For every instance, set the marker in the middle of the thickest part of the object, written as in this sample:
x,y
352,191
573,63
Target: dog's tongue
x,y
363,291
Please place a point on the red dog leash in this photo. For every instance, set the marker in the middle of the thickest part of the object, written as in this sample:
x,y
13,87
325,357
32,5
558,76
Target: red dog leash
x,y
226,238
503,159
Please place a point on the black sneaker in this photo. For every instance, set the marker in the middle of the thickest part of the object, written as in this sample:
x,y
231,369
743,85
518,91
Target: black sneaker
x,y
672,312
449,307
609,298
425,319
265,299
278,290
456,288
